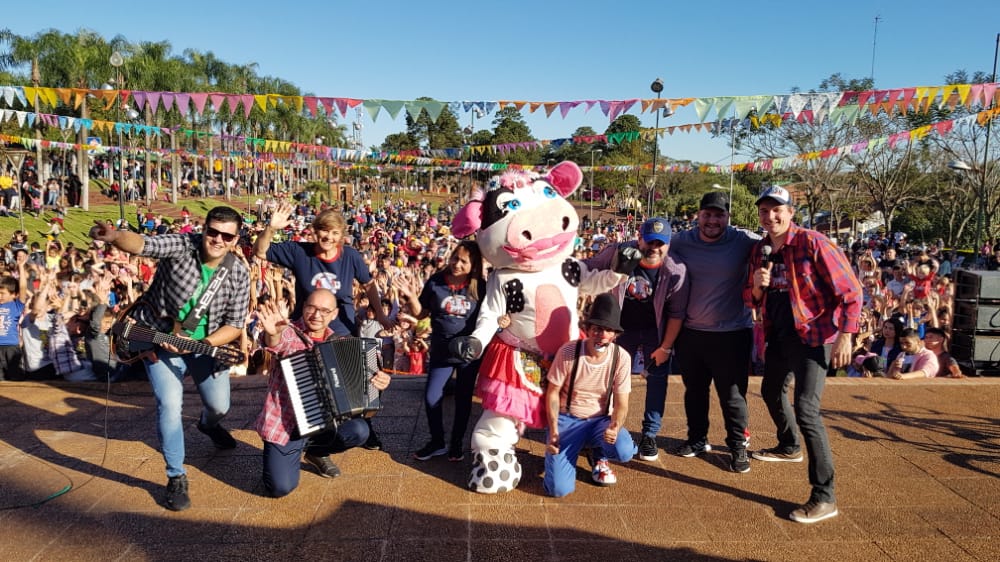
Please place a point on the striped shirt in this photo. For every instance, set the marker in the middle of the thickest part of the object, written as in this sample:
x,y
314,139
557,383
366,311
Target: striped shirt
x,y
825,295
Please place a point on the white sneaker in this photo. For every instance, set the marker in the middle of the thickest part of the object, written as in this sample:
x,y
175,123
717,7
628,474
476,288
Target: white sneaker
x,y
602,474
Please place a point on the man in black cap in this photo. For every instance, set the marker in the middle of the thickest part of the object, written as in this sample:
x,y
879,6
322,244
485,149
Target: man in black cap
x,y
587,399
716,255
653,301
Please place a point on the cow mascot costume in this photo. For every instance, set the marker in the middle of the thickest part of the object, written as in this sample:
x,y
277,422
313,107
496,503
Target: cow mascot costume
x,y
525,228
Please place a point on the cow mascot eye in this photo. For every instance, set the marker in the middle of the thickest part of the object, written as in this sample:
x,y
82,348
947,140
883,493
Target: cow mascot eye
x,y
550,192
507,203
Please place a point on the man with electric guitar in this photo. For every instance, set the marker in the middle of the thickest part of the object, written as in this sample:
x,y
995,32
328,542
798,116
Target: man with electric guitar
x,y
196,303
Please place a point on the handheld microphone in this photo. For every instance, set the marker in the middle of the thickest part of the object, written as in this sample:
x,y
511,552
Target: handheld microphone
x,y
765,251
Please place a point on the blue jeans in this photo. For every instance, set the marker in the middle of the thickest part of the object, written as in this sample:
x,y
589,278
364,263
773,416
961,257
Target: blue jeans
x,y
790,359
648,340
574,435
281,462
167,379
437,377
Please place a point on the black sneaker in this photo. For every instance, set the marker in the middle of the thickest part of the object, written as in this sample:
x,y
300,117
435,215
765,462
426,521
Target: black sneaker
x,y
429,450
455,453
373,443
693,449
740,462
647,449
220,437
323,465
176,498
778,454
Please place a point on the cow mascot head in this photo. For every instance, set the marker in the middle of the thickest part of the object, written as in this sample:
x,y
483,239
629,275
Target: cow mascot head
x,y
525,228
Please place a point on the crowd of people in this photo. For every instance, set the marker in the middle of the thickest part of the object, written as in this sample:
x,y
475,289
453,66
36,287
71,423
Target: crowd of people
x,y
290,275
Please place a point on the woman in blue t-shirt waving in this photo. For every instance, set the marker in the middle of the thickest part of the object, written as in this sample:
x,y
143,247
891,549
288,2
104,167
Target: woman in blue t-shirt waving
x,y
451,298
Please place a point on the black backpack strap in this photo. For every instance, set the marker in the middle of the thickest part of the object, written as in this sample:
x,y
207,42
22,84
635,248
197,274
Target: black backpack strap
x,y
214,284
611,380
572,375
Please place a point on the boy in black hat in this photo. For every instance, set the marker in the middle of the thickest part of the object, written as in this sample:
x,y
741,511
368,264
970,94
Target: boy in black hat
x,y
587,395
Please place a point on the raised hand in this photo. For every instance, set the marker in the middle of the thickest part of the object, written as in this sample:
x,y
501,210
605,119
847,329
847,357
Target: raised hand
x,y
279,219
270,316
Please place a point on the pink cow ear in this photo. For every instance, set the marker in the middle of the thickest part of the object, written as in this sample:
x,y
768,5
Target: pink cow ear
x,y
468,220
565,177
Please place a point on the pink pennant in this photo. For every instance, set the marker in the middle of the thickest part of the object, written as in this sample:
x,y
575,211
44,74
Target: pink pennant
x,y
247,100
565,106
353,102
217,100
199,100
944,127
341,105
183,101
140,99
310,102
989,92
975,94
234,101
908,94
154,101
167,98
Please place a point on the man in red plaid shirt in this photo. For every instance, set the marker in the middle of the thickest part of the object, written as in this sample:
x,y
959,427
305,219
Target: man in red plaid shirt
x,y
284,448
810,301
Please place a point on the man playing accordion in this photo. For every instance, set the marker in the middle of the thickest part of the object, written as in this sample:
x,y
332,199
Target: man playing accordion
x,y
284,447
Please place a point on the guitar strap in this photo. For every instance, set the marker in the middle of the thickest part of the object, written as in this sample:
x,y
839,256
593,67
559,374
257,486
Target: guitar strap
x,y
214,284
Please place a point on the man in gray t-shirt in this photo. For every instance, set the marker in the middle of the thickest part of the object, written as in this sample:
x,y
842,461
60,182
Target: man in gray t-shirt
x,y
716,256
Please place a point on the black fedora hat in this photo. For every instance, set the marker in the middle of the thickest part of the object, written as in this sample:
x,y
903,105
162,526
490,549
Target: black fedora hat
x,y
605,312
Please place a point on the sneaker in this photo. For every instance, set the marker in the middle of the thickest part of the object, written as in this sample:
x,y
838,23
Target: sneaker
x,y
647,449
778,454
176,498
602,474
429,450
740,462
373,443
814,511
693,449
220,437
456,454
323,465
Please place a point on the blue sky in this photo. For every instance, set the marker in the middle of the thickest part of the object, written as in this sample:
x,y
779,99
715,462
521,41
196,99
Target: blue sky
x,y
553,50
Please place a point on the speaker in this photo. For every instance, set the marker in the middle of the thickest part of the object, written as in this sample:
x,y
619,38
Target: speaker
x,y
972,316
977,285
980,348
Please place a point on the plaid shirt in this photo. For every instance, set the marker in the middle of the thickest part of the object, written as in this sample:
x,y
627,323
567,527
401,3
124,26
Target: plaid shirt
x,y
276,421
825,294
178,274
61,349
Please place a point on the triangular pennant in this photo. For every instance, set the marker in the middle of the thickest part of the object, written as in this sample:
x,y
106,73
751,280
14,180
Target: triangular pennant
x,y
233,100
154,101
565,106
50,97
261,101
167,99
140,99
963,92
311,103
393,107
247,101
550,107
434,108
79,94
372,107
199,100
183,102
989,92
702,106
534,105
217,100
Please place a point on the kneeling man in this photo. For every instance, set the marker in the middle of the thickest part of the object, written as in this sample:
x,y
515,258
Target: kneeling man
x,y
587,399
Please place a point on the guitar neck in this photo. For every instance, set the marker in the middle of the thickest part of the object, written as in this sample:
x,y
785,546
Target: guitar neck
x,y
194,346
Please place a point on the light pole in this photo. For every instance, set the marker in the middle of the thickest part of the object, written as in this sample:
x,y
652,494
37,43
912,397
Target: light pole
x,y
657,87
116,62
960,166
592,151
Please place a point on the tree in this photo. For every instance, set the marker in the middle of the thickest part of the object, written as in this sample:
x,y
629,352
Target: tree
x,y
509,127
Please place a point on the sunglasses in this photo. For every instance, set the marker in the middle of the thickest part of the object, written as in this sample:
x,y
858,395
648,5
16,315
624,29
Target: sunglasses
x,y
226,236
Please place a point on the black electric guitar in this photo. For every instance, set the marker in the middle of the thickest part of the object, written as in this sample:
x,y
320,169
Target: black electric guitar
x,y
135,341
